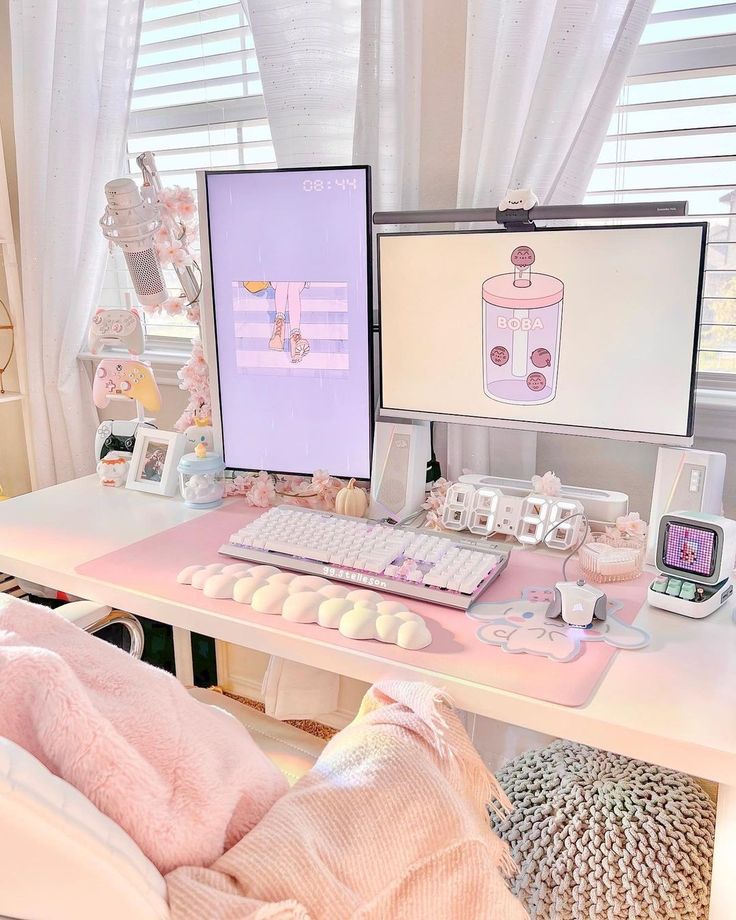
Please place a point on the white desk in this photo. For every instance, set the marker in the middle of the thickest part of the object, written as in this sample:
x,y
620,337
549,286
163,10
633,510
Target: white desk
x,y
673,704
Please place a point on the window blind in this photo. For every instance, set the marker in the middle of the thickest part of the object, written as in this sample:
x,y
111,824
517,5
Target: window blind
x,y
673,136
197,102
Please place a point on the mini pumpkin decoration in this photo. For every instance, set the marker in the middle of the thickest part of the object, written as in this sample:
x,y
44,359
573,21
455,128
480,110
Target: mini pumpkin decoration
x,y
351,500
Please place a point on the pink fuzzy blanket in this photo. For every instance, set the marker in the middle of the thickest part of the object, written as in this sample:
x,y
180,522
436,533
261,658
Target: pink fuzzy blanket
x,y
390,824
186,781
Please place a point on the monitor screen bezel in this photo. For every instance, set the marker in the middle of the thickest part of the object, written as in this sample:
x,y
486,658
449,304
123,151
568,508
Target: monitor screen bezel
x,y
208,321
682,440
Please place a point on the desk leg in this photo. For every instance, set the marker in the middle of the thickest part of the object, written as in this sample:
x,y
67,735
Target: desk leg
x,y
183,656
221,662
723,884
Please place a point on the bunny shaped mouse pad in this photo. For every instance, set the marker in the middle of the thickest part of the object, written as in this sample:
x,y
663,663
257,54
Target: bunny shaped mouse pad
x,y
520,626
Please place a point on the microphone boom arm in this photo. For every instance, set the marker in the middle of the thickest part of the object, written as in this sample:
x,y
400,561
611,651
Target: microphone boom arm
x,y
191,285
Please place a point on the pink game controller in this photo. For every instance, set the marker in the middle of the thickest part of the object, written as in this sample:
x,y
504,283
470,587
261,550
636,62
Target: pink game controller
x,y
111,326
116,377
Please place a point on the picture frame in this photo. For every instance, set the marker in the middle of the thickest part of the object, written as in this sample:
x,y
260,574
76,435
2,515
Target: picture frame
x,y
153,467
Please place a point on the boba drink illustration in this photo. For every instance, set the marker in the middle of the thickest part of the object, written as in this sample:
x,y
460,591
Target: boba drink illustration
x,y
522,320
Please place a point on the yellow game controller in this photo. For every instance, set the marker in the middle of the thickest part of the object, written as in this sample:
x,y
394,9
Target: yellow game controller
x,y
133,379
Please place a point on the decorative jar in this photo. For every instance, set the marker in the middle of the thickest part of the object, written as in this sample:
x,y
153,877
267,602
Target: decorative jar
x,y
202,479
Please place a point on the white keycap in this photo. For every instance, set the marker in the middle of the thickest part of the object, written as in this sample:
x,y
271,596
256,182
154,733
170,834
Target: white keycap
x,y
470,583
296,549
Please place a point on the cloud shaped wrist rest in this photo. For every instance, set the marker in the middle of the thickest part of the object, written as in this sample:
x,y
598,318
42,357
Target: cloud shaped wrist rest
x,y
356,614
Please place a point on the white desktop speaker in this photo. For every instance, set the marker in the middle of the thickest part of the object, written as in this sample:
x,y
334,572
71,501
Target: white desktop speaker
x,y
401,452
686,480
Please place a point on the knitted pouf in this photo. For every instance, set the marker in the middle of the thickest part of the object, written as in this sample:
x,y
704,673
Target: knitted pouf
x,y
597,836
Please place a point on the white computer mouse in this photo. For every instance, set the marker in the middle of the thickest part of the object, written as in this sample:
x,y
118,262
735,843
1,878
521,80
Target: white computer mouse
x,y
220,585
364,596
185,576
302,607
281,578
237,568
387,628
332,610
199,578
358,623
413,635
263,572
390,607
245,588
332,590
307,583
269,599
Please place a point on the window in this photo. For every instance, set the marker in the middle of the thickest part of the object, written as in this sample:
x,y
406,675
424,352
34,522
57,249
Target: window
x,y
197,102
673,136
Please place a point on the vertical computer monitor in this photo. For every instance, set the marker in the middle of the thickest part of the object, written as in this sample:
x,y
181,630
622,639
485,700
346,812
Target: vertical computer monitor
x,y
287,317
579,330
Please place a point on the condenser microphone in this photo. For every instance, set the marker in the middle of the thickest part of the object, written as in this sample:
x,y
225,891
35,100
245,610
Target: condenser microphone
x,y
130,223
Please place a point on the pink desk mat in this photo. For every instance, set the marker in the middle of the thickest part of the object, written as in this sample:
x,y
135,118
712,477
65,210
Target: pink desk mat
x,y
153,564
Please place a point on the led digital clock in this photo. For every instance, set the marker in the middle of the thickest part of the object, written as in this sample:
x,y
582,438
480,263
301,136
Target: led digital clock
x,y
532,519
343,183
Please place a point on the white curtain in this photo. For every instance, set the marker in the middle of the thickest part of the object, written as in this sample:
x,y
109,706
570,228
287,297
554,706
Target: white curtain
x,y
541,81
340,82
452,104
72,67
308,53
388,107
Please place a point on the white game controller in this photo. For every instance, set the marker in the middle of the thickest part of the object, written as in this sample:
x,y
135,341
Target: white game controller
x,y
111,326
578,603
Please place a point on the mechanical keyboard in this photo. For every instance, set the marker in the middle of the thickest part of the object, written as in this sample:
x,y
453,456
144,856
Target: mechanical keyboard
x,y
422,564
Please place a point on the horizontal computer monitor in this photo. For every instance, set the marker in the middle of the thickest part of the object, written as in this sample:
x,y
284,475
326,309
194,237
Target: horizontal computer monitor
x,y
288,317
580,330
